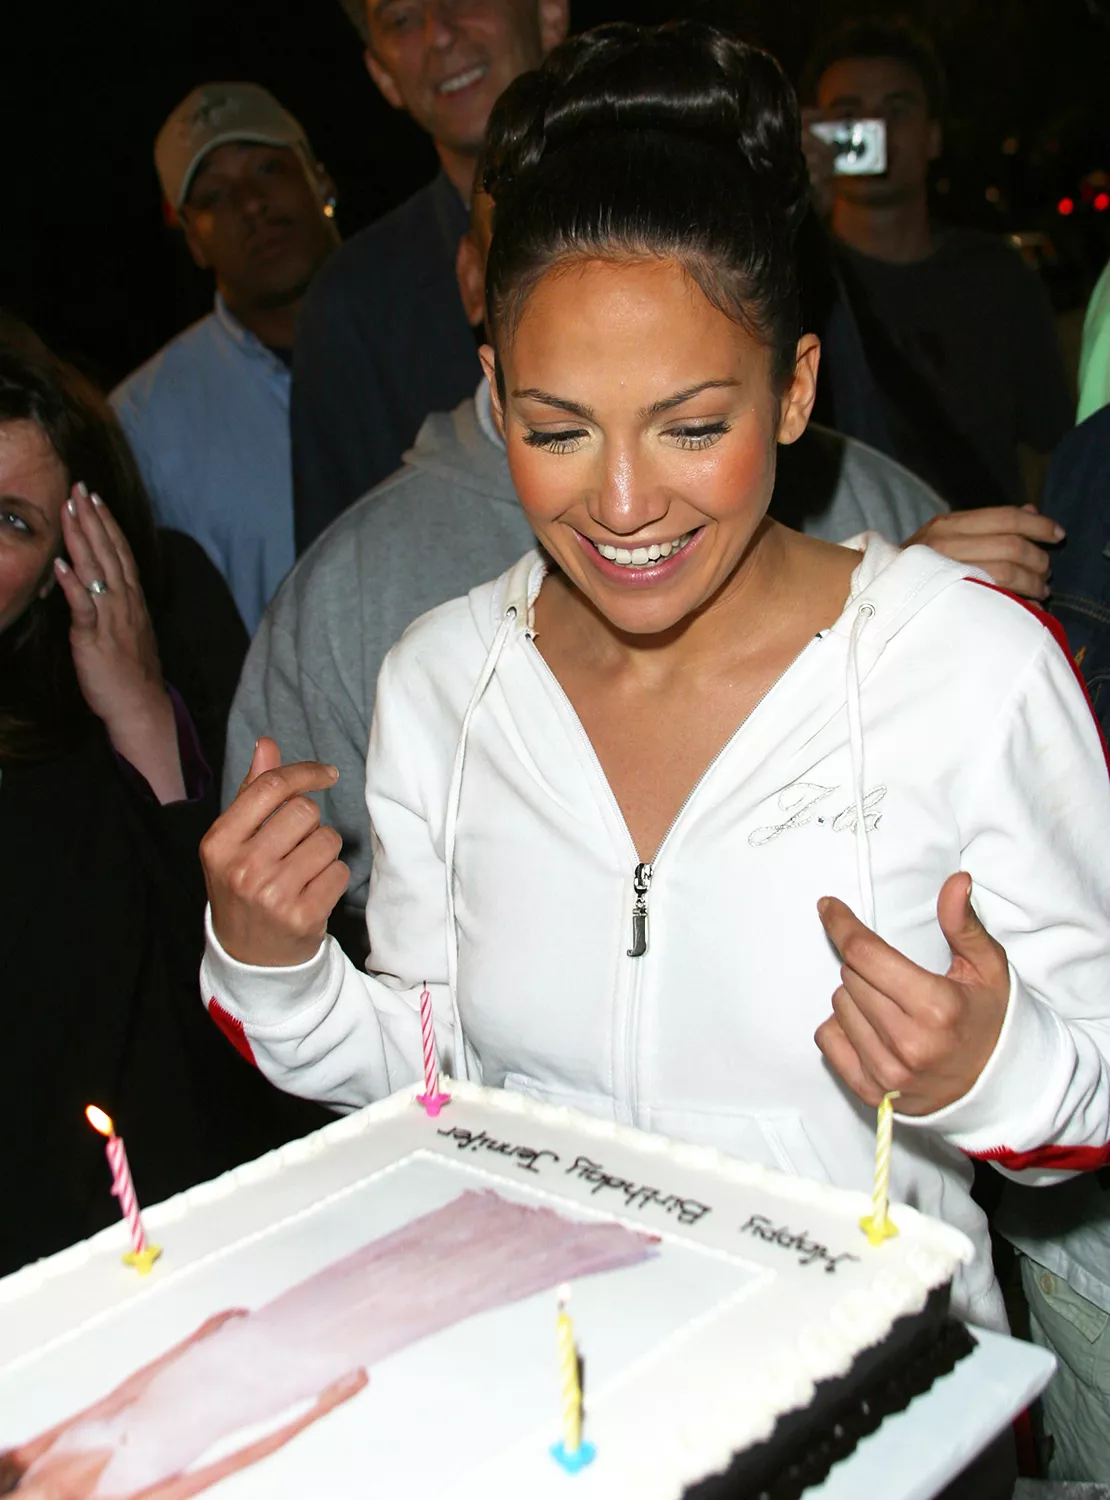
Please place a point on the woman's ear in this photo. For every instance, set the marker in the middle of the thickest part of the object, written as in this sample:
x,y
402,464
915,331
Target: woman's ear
x,y
489,366
800,394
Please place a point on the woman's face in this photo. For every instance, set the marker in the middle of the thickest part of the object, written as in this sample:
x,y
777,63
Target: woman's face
x,y
33,488
641,425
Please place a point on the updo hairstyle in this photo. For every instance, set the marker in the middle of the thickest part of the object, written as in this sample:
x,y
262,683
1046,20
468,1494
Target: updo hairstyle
x,y
674,142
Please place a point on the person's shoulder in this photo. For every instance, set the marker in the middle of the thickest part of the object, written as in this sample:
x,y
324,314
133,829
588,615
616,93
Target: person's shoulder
x,y
998,631
390,248
160,375
459,633
867,469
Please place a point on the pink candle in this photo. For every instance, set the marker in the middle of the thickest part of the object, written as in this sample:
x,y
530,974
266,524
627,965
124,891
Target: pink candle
x,y
432,1100
142,1256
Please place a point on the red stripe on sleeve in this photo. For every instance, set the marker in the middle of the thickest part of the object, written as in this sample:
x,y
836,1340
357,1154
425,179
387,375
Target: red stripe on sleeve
x,y
232,1029
1056,631
1051,1158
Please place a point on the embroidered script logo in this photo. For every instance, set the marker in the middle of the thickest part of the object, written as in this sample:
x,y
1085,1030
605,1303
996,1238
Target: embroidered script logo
x,y
799,805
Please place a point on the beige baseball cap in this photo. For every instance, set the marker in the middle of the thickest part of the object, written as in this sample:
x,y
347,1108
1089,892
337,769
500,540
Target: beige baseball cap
x,y
220,114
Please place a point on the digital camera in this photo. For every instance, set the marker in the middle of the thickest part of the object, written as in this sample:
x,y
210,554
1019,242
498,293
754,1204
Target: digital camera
x,y
860,145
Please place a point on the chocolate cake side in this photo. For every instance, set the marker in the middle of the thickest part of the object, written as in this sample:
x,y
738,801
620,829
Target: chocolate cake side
x,y
884,1379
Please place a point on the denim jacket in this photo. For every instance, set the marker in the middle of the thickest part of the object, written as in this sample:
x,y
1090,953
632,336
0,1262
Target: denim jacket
x,y
1077,494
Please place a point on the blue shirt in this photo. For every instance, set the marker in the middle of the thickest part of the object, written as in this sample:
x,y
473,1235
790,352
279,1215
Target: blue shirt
x,y
208,422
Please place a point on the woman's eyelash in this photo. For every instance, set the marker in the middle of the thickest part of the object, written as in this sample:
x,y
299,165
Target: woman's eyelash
x,y
9,518
554,442
702,436
699,437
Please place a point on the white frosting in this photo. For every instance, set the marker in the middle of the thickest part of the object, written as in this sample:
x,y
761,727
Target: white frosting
x,y
740,1329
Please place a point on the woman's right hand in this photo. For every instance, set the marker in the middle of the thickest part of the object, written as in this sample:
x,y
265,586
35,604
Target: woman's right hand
x,y
273,871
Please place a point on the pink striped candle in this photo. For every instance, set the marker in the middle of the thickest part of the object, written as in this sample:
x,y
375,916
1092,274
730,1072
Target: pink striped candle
x,y
141,1255
432,1100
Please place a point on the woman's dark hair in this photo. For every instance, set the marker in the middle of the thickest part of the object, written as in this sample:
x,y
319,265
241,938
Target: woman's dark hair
x,y
879,36
674,142
41,707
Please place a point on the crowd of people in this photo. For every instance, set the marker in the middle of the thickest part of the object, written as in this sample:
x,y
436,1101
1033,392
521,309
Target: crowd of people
x,y
607,589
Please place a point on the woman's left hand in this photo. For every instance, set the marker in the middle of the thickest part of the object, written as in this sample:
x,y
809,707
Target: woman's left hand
x,y
115,653
896,1026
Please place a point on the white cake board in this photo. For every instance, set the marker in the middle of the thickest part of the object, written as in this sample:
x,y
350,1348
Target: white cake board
x,y
915,1453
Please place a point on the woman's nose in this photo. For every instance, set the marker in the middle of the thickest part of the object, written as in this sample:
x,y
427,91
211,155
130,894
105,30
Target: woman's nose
x,y
627,498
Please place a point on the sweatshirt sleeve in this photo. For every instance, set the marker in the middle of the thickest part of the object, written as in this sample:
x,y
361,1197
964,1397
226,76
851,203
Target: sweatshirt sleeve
x,y
1035,814
323,1029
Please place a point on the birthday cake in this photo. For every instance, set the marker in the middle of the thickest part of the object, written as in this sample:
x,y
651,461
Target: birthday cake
x,y
376,1309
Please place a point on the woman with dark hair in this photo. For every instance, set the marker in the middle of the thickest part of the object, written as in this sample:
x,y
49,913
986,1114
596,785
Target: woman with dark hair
x,y
103,798
626,797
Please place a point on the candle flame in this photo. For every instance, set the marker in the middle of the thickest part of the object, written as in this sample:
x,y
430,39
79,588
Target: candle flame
x,y
99,1120
562,1295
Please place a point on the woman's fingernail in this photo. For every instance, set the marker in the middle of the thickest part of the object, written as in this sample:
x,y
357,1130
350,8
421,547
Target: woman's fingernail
x,y
95,498
1058,533
334,772
823,906
82,488
60,565
71,506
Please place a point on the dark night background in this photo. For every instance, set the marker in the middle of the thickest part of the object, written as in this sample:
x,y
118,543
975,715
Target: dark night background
x,y
86,258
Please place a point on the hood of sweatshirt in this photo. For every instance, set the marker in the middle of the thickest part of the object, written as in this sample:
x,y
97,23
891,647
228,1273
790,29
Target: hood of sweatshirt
x,y
891,585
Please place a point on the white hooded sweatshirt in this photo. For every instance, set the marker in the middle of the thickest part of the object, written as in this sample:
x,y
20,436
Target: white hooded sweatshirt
x,y
937,726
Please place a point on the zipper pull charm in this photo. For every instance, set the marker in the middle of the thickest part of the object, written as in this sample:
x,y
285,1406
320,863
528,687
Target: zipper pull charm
x,y
641,883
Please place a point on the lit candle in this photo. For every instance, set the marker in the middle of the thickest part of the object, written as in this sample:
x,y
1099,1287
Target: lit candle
x,y
570,1451
141,1255
878,1225
432,1100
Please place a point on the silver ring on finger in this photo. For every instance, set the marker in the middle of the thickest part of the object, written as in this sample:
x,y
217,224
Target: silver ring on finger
x,y
98,586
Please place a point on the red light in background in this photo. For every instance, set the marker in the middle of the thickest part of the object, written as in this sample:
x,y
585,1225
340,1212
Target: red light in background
x,y
1066,206
1101,202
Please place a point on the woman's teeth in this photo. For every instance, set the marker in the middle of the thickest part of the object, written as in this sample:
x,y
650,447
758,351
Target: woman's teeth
x,y
642,557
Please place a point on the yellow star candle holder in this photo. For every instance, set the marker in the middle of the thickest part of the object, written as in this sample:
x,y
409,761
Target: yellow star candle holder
x,y
142,1255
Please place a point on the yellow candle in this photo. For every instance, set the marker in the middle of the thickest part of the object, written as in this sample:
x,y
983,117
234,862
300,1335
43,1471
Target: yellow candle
x,y
568,1372
878,1225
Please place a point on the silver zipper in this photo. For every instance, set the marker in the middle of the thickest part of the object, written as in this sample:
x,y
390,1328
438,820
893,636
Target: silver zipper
x,y
641,876
641,884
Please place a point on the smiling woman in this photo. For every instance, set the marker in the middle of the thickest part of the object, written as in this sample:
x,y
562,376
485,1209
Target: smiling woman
x,y
626,796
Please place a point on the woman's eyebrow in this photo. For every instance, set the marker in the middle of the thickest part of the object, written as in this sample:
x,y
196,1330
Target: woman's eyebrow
x,y
668,403
23,503
573,407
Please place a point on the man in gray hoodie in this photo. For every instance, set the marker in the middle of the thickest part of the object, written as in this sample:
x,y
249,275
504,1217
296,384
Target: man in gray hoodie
x,y
445,522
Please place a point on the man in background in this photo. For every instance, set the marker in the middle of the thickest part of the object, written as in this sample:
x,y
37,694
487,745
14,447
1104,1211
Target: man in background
x,y
383,340
957,333
208,417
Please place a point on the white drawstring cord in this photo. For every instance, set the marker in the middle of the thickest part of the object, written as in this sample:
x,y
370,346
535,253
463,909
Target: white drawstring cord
x,y
855,750
450,824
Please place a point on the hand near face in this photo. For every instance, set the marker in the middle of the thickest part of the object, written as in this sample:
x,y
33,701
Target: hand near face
x,y
273,871
115,654
897,1026
1006,541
